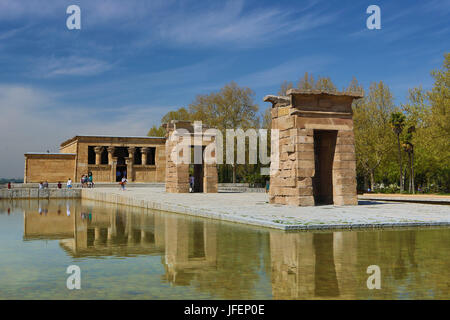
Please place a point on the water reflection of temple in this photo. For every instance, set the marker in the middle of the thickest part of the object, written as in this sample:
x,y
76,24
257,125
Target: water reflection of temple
x,y
312,265
191,248
231,261
103,231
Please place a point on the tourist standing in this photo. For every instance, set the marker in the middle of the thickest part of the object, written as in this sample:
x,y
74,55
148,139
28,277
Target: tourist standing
x,y
41,186
45,184
59,185
191,183
69,183
9,185
123,183
90,180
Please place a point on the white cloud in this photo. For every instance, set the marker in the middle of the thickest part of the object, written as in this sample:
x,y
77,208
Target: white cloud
x,y
232,23
70,66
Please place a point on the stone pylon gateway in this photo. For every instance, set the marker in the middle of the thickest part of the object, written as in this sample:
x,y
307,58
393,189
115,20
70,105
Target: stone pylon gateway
x,y
317,162
177,169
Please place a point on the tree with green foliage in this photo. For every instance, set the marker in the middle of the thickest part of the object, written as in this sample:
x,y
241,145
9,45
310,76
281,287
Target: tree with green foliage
x,y
232,107
285,86
307,82
325,84
397,122
408,147
180,114
156,131
429,112
373,139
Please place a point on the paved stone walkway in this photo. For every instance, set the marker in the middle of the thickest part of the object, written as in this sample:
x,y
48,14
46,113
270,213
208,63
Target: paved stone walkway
x,y
254,209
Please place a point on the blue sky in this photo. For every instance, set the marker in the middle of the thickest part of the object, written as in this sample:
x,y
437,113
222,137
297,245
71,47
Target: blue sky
x,y
132,61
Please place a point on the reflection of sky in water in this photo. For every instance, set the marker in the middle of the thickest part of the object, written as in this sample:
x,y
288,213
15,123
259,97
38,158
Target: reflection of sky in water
x,y
129,253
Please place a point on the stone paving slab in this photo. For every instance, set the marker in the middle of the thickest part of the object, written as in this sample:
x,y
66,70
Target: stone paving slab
x,y
254,209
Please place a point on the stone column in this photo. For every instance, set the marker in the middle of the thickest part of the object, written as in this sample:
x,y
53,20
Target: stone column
x,y
98,155
144,152
112,161
110,154
130,162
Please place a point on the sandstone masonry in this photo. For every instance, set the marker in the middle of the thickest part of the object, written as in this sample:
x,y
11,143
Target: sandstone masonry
x,y
317,162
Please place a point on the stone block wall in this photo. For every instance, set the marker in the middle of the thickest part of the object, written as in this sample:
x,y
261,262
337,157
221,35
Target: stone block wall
x,y
177,175
35,193
344,169
210,179
291,184
49,167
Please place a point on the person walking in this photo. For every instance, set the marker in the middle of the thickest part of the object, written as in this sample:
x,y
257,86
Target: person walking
x,y
69,183
123,183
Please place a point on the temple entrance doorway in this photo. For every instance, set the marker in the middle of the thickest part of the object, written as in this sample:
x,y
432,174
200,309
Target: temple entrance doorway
x,y
197,173
197,170
324,148
121,169
121,172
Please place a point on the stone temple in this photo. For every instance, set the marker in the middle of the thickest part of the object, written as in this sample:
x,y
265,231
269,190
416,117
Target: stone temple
x,y
108,158
316,161
314,164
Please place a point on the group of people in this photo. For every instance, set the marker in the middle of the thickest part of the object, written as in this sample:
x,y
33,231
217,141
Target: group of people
x,y
87,181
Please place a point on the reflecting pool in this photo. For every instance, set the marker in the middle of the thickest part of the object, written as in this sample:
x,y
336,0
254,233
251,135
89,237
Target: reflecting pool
x,y
132,253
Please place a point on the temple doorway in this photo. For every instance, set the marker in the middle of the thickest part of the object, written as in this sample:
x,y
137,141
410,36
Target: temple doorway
x,y
197,170
121,169
121,172
324,148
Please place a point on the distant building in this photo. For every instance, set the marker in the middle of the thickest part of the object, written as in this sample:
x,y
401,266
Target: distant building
x,y
108,158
